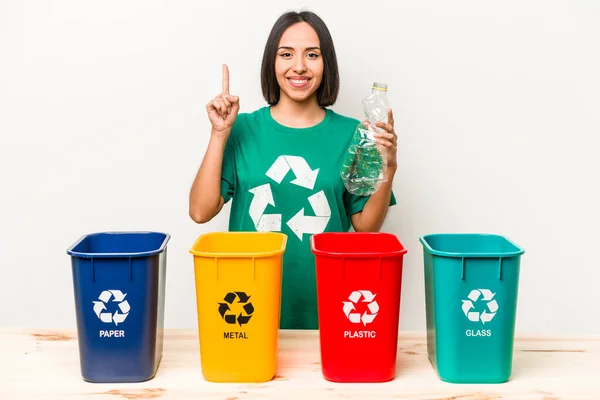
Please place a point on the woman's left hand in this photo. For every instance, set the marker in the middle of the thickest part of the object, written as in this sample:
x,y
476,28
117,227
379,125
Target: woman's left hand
x,y
388,139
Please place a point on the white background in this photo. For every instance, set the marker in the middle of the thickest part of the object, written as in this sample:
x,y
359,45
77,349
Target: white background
x,y
103,127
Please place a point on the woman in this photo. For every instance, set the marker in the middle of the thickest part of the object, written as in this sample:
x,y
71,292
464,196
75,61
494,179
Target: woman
x,y
281,163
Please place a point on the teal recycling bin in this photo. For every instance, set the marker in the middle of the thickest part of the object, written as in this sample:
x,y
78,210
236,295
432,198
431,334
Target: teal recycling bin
x,y
471,285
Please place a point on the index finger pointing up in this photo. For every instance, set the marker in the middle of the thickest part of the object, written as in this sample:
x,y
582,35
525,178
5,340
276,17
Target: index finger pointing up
x,y
225,79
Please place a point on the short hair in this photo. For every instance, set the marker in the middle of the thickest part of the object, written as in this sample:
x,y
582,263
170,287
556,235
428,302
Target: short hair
x,y
328,90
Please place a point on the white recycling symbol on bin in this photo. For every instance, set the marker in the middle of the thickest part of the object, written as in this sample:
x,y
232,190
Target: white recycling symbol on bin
x,y
368,316
485,295
107,317
300,223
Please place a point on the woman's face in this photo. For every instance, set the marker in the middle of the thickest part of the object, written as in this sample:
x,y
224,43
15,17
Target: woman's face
x,y
298,63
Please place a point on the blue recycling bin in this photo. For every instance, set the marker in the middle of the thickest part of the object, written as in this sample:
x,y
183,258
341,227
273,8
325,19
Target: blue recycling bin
x,y
119,289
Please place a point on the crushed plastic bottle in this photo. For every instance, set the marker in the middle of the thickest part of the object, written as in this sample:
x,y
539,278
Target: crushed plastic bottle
x,y
365,164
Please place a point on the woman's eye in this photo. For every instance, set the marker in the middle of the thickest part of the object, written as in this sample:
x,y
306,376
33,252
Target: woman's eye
x,y
313,55
285,54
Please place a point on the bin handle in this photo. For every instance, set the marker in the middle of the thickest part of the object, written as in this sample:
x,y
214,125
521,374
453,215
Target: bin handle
x,y
253,268
499,268
343,259
462,272
130,268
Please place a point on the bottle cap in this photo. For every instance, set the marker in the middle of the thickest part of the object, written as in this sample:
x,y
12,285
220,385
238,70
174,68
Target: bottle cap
x,y
379,86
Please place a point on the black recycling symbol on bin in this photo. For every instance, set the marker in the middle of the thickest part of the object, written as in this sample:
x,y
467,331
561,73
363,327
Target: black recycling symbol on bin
x,y
231,318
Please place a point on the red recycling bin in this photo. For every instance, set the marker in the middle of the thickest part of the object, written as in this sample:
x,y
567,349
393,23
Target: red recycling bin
x,y
359,279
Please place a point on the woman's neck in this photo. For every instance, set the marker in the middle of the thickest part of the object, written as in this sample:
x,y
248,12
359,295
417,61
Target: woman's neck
x,y
296,114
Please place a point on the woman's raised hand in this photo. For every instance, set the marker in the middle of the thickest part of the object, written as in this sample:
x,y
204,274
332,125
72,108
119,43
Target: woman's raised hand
x,y
223,109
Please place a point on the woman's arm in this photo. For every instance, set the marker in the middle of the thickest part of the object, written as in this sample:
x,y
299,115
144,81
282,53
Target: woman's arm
x,y
371,218
205,195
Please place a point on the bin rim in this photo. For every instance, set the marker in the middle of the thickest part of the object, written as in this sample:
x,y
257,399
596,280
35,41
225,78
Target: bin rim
x,y
424,241
160,249
257,254
363,254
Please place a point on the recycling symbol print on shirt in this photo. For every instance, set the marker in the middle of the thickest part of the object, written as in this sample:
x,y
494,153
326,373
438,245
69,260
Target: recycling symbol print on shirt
x,y
298,223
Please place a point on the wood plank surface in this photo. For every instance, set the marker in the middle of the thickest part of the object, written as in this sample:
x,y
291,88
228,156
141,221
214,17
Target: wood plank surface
x,y
45,364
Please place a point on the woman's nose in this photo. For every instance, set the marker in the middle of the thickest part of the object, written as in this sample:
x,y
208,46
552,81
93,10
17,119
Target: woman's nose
x,y
299,65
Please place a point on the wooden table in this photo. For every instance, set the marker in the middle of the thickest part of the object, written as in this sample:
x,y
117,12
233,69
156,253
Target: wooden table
x,y
45,364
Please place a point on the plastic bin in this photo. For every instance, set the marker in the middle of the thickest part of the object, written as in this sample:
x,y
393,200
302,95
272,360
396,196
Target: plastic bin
x,y
238,294
471,285
359,279
119,288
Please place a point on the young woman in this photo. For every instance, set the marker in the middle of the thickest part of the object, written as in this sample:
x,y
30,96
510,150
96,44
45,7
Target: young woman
x,y
281,163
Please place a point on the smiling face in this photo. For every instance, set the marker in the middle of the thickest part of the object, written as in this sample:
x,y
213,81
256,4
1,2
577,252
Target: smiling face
x,y
299,64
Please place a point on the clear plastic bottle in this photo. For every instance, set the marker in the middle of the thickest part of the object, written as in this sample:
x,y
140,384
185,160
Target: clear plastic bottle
x,y
364,169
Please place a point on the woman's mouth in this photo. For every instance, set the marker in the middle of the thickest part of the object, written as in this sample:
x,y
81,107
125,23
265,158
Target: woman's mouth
x,y
298,82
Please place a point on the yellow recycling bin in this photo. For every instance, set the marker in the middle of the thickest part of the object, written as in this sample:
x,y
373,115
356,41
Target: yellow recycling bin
x,y
238,295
